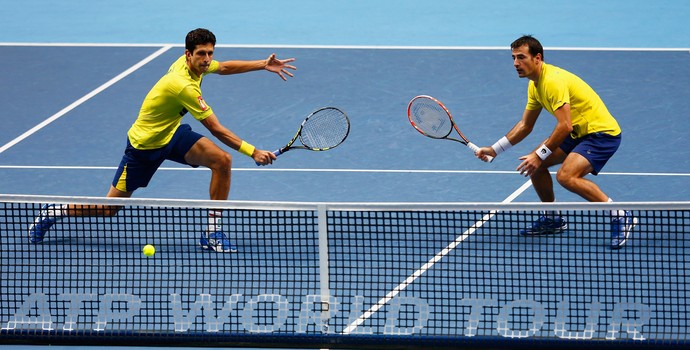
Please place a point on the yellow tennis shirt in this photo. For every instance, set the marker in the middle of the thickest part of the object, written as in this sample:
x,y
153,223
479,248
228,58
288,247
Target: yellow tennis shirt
x,y
175,94
557,87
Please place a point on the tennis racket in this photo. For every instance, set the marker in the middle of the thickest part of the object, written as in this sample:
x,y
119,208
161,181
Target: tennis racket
x,y
431,118
323,129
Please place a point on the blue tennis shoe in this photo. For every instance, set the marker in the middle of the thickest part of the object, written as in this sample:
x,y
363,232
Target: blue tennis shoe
x,y
217,241
545,226
45,220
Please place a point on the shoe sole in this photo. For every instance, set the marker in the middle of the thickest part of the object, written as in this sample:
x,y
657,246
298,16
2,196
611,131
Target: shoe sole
x,y
217,249
627,236
550,232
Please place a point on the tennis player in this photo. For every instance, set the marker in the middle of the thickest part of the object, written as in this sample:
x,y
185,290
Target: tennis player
x,y
157,135
586,135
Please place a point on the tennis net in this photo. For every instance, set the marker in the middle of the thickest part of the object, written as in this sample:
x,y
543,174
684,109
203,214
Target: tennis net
x,y
345,275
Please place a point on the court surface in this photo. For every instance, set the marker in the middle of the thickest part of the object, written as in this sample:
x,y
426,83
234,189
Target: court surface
x,y
71,89
67,108
65,125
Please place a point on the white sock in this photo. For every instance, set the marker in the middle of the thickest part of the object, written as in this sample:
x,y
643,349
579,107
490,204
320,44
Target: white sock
x,y
214,220
552,214
56,211
616,214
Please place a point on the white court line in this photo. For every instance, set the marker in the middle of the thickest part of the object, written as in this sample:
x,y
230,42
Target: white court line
x,y
321,170
85,98
347,47
431,262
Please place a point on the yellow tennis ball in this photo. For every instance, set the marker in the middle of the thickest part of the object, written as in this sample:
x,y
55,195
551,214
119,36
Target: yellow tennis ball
x,y
149,250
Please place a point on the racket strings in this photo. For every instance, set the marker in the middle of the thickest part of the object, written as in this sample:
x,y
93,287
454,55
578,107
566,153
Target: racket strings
x,y
430,118
326,128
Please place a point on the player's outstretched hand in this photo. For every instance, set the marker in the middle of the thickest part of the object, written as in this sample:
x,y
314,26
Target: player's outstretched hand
x,y
279,66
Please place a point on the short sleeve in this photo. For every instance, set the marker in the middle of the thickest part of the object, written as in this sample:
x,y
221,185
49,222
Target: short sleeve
x,y
191,99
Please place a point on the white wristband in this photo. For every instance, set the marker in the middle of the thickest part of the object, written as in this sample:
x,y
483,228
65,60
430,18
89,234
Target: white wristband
x,y
543,152
501,145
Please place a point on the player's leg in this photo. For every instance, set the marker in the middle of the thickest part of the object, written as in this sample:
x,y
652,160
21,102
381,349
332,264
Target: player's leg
x,y
572,174
50,214
206,153
98,210
135,170
203,152
550,221
590,156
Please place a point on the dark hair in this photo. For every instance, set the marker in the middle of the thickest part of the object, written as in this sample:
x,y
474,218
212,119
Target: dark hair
x,y
532,43
199,36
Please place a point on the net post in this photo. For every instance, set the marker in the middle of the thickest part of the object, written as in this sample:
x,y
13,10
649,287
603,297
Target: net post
x,y
324,277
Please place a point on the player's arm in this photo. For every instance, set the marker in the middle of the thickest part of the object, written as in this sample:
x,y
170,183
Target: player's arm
x,y
271,64
563,128
533,160
233,141
524,127
514,136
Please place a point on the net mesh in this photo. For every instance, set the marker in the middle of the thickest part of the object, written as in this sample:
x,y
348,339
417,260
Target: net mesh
x,y
344,275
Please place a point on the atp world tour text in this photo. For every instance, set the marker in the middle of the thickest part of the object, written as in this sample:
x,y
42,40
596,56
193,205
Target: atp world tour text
x,y
402,315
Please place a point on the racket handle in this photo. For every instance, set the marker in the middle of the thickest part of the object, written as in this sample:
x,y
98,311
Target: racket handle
x,y
474,149
276,152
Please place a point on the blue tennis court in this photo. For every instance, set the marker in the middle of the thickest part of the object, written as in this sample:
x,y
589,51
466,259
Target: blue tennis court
x,y
73,86
384,159
95,91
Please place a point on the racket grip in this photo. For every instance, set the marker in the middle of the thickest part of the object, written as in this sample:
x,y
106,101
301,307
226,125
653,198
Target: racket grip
x,y
474,149
276,152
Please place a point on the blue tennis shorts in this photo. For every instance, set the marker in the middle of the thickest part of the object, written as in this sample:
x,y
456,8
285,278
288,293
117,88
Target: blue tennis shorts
x,y
597,148
138,166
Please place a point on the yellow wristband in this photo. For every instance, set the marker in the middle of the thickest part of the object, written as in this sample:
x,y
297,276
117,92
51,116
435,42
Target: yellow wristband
x,y
246,149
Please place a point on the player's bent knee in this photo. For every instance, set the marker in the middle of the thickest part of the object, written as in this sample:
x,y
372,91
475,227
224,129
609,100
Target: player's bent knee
x,y
566,180
221,162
